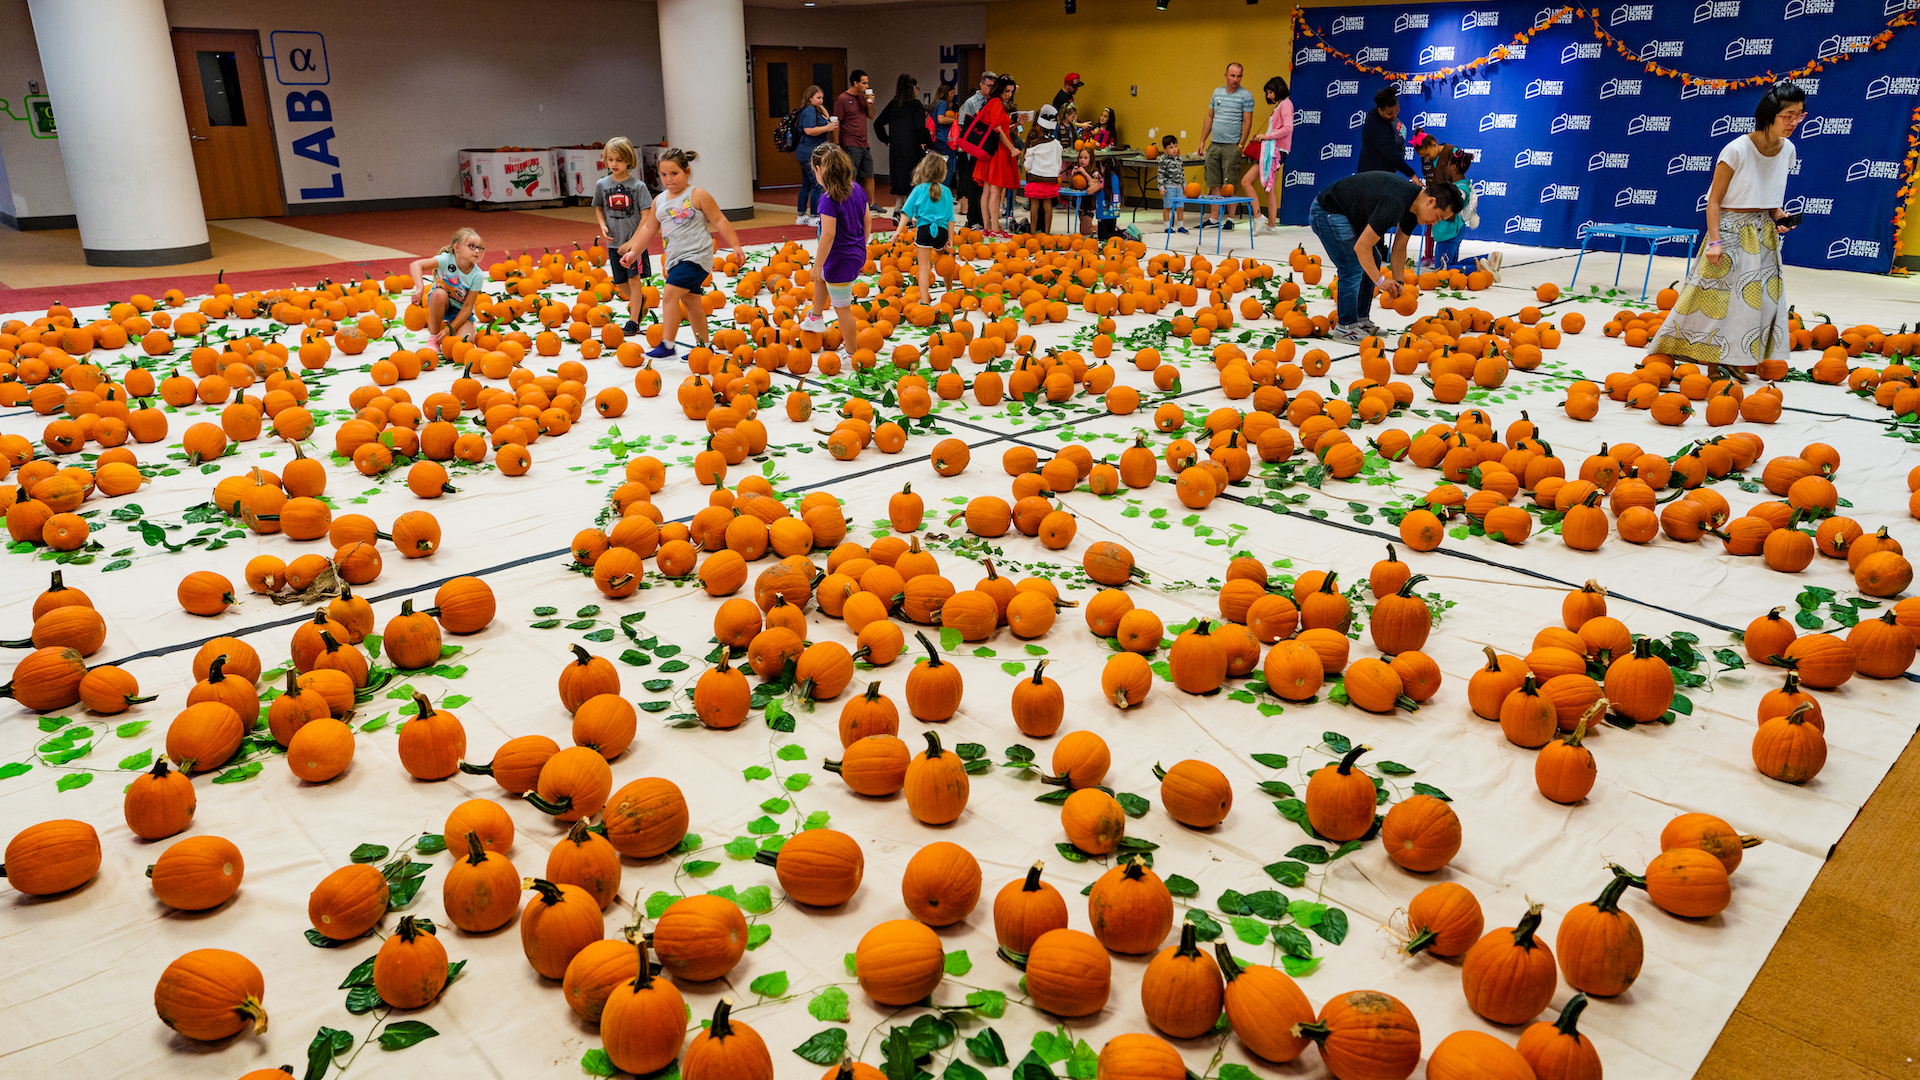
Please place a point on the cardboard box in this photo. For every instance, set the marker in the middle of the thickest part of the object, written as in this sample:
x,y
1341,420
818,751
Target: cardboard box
x,y
512,176
580,169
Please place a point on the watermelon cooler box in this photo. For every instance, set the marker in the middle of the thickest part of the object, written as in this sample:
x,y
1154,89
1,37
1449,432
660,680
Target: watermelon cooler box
x,y
580,169
510,175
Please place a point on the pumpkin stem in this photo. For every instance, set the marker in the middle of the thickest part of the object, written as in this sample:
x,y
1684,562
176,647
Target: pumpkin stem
x,y
767,858
643,974
159,770
1493,659
1523,934
476,770
933,654
1420,942
253,1010
1017,959
933,745
1229,967
580,831
1799,713
549,892
1189,942
1134,870
57,585
425,706
1634,880
581,656
720,1028
1316,1031
476,851
1407,589
555,808
1346,763
1792,664
1327,583
214,672
1569,1015
411,927
1037,672
1643,649
326,638
1391,555
1032,883
1609,898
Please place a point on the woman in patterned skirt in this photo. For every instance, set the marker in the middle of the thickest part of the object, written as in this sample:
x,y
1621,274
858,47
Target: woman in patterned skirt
x,y
1731,314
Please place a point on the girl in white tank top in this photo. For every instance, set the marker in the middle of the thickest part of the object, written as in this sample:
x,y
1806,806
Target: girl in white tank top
x,y
682,216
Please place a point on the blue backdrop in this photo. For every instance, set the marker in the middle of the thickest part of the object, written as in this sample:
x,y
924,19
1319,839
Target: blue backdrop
x,y
1568,132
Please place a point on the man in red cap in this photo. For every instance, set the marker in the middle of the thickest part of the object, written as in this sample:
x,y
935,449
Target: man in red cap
x,y
1071,87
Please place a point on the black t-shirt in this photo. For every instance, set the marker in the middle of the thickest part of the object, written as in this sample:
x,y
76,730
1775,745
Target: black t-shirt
x,y
1383,200
1062,98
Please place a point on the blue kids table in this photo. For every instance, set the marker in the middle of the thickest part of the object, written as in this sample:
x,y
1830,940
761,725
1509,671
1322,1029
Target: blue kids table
x,y
1176,202
1654,235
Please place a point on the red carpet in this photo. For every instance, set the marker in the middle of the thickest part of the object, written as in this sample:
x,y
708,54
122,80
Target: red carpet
x,y
558,234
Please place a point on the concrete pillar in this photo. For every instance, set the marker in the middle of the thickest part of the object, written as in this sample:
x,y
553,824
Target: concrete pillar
x,y
703,64
123,130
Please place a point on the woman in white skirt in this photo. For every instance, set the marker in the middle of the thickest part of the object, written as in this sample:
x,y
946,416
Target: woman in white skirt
x,y
1731,314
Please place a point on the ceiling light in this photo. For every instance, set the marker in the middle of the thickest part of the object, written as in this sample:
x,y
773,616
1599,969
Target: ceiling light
x,y
1161,4
1072,7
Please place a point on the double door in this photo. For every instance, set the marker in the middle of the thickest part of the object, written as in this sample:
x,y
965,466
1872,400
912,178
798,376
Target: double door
x,y
780,80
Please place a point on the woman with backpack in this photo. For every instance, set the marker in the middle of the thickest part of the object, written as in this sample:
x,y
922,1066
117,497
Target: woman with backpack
x,y
812,125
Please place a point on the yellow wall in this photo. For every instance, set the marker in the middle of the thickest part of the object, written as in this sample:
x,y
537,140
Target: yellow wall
x,y
1176,57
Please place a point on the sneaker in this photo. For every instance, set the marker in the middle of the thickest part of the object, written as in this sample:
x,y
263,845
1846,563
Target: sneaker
x,y
1349,332
662,351
1227,225
1266,228
1370,327
1493,265
1183,228
814,323
629,328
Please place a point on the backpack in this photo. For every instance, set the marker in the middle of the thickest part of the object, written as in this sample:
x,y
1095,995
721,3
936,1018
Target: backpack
x,y
786,137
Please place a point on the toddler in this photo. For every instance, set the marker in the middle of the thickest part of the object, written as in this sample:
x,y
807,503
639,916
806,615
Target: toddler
x,y
1173,182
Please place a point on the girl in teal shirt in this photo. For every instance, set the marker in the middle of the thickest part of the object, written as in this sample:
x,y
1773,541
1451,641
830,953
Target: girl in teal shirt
x,y
929,208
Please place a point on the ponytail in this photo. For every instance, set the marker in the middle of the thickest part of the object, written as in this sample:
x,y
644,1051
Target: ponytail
x,y
931,171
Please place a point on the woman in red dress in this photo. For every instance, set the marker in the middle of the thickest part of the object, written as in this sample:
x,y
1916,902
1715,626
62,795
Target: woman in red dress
x,y
997,173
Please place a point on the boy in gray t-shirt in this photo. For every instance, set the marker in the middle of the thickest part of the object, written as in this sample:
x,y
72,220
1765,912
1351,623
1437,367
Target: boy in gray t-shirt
x,y
618,199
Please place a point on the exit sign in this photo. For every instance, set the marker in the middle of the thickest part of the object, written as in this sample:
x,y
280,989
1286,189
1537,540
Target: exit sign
x,y
40,113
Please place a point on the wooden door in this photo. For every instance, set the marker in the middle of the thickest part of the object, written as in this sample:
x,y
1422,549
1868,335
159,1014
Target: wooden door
x,y
972,61
780,77
230,122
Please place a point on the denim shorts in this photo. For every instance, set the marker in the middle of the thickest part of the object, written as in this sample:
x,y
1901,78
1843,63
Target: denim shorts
x,y
688,275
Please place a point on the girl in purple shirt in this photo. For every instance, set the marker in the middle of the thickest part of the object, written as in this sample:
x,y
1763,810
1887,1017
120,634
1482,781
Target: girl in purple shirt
x,y
842,252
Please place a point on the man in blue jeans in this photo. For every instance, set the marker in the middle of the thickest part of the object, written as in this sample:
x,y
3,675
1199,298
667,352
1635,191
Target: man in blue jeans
x,y
1352,216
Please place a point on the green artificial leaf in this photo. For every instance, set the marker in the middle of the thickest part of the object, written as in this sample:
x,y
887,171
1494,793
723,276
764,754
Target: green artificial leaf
x,y
137,762
1204,926
763,825
1336,742
958,963
320,1052
829,1004
1292,941
320,941
772,985
742,847
1181,886
1292,874
368,853
757,935
699,867
1298,967
431,844
756,772
1307,913
1393,768
1729,659
777,716
596,1063
242,772
129,730
14,768
1033,1067
951,638
791,752
960,1070
826,1047
1252,931
659,902
775,806
1070,853
987,1046
79,780
1134,805
797,781
1271,761
757,900
362,1000
406,1032
1233,1070
1267,904
816,820
988,1003
1333,927
1429,789
1277,787
1311,853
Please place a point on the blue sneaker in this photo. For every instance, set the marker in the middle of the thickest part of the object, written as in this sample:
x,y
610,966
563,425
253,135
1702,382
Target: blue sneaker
x,y
1183,228
662,351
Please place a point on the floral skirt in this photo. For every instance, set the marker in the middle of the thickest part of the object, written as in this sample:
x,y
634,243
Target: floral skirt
x,y
1733,312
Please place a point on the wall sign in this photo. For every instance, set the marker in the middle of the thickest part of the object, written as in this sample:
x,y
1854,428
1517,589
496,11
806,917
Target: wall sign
x,y
300,59
1567,129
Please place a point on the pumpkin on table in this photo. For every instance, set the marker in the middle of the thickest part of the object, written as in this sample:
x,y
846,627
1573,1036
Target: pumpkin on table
x,y
1137,1056
936,784
819,867
1476,1055
1263,1005
874,766
585,858
1195,793
209,994
1709,834
642,1020
1130,909
933,688
1640,686
1790,748
52,857
941,884
1068,973
1687,882
727,1050
1365,1035
586,676
1182,991
516,765
198,873
1599,946
1340,799
433,742
1564,770
481,891
1421,834
1026,908
1509,974
410,969
899,962
558,922
1556,1050
348,902
700,938
160,802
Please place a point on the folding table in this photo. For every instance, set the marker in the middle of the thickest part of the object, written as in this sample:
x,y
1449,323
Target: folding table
x,y
1654,235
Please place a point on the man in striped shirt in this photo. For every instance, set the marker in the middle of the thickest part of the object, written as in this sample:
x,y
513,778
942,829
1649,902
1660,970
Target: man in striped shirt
x,y
1227,114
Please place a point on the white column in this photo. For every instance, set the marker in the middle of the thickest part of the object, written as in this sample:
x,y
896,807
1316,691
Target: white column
x,y
703,65
123,130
